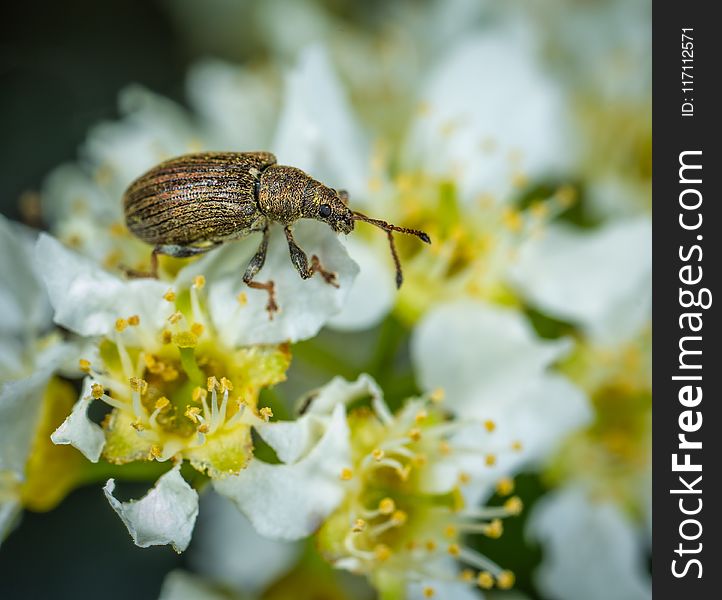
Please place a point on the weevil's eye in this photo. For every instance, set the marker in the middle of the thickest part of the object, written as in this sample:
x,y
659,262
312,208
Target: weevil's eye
x,y
324,211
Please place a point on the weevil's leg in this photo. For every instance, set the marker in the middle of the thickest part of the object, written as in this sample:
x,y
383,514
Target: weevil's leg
x,y
300,261
169,250
254,266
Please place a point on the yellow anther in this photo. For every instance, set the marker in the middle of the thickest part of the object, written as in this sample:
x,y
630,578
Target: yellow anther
x,y
437,395
134,320
444,447
430,545
155,451
450,531
505,580
197,329
464,478
516,446
489,425
138,385
415,434
454,550
382,552
97,391
199,281
192,412
467,576
137,425
490,460
120,324
226,384
420,460
512,220
242,299
387,506
166,337
514,505
169,296
150,361
399,517
212,383
505,486
198,394
377,454
485,580
421,416
185,339
84,365
203,428
429,592
495,529
358,526
169,373
162,403
175,317
266,413
346,474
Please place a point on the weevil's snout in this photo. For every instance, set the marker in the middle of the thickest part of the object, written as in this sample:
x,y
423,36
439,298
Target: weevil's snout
x,y
333,209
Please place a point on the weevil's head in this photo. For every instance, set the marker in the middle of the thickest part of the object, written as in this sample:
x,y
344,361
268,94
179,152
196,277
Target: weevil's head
x,y
331,206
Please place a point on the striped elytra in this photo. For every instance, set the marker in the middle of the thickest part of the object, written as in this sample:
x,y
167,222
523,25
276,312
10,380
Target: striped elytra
x,y
196,198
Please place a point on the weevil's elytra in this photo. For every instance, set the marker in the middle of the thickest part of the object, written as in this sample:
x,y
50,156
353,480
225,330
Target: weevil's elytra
x,y
191,204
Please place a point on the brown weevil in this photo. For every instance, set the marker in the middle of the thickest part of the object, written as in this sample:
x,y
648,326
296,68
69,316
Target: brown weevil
x,y
193,203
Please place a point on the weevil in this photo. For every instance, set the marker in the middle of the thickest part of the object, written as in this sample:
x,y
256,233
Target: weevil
x,y
193,203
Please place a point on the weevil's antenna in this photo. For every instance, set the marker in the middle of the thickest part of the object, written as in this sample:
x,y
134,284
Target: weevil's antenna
x,y
389,229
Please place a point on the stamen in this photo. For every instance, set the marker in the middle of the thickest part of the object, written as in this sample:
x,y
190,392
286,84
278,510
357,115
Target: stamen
x,y
346,474
134,320
84,365
169,296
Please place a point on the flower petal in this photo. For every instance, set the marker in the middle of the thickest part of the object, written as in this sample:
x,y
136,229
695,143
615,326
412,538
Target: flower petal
x,y
180,585
87,299
317,131
305,305
372,294
227,549
23,302
484,154
78,430
592,550
489,355
292,440
290,501
165,515
10,510
601,280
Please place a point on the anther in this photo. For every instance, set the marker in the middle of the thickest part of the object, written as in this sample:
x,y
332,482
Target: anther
x,y
490,425
429,592
192,412
162,403
514,505
399,517
450,532
346,474
166,337
505,486
199,281
467,575
516,446
444,447
212,383
377,454
382,552
120,324
490,460
84,365
358,526
464,478
134,320
505,580
155,451
430,545
266,413
97,391
169,296
242,299
226,384
387,506
421,416
415,434
175,317
197,329
485,580
203,428
494,530
437,395
198,394
138,385
454,550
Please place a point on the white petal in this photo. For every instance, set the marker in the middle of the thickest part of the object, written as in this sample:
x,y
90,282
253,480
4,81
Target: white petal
x,y
592,550
372,294
227,549
480,355
20,403
317,131
165,515
88,300
180,585
305,305
290,501
292,440
23,301
237,105
10,510
78,430
601,280
452,137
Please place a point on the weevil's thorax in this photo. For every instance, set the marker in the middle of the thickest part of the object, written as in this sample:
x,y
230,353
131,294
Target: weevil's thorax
x,y
286,194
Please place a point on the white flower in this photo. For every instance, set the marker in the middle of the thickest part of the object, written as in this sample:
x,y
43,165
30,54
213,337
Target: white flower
x,y
492,367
